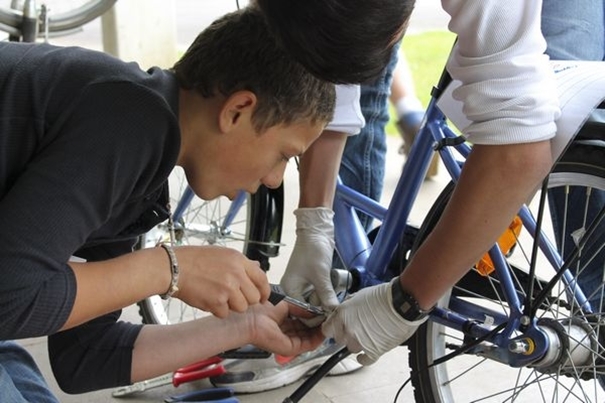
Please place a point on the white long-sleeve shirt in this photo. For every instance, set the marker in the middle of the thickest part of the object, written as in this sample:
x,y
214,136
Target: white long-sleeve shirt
x,y
508,87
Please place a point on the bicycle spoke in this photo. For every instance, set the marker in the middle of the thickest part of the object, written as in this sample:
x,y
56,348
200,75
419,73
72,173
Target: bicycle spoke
x,y
201,223
569,363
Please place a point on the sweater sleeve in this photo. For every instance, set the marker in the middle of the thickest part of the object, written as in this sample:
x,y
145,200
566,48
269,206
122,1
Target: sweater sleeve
x,y
508,87
89,165
97,354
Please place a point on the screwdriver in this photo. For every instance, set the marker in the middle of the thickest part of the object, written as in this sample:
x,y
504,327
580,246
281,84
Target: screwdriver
x,y
278,295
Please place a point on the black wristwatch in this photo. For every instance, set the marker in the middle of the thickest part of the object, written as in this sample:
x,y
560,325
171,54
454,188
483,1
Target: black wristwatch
x,y
406,305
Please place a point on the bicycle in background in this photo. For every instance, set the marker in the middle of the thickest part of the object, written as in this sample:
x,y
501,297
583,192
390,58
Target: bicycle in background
x,y
25,22
249,223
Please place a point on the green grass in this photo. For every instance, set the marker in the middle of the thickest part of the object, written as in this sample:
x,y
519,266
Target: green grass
x,y
426,53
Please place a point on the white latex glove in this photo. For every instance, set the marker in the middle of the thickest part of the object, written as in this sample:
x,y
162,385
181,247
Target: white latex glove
x,y
367,321
311,260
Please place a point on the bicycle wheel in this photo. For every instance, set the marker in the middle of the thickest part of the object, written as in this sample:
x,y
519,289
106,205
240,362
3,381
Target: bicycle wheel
x,y
573,367
63,16
255,230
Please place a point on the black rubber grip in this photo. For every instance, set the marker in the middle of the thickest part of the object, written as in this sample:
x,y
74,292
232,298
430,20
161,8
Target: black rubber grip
x,y
276,298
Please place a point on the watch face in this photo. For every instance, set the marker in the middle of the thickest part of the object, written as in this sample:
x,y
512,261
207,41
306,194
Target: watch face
x,y
405,304
406,307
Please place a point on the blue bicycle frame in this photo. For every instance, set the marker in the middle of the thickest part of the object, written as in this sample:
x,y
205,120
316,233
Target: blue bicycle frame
x,y
369,265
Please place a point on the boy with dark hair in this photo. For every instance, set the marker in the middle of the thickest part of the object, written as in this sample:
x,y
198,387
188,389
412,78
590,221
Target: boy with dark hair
x,y
86,146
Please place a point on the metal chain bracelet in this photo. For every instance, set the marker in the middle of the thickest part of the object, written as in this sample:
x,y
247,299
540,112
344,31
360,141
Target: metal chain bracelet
x,y
174,264
174,271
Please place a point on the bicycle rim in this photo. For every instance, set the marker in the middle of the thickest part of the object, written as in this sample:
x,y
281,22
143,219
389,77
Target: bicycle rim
x,y
199,225
573,370
64,16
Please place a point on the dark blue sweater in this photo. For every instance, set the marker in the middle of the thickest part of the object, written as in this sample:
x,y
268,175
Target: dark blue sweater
x,y
86,144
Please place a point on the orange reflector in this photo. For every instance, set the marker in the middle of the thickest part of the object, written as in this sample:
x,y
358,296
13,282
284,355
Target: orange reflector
x,y
506,242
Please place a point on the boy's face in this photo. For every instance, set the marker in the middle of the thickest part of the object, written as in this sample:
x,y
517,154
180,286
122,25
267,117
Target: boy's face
x,y
243,160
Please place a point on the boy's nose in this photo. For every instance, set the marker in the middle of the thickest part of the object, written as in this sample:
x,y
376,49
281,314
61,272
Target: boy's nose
x,y
274,178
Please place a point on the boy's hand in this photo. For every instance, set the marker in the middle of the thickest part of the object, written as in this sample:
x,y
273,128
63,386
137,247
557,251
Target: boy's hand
x,y
219,279
278,330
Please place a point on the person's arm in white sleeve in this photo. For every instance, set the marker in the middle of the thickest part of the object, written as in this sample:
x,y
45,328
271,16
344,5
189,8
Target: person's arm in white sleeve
x,y
509,96
309,265
508,88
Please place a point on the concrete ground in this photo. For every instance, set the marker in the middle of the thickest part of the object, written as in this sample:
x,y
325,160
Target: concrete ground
x,y
378,383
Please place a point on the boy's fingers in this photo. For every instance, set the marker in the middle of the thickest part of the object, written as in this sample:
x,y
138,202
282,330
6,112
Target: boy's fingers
x,y
250,292
259,279
220,311
238,302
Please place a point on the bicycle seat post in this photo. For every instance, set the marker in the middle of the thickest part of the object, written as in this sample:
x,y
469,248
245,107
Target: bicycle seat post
x,y
29,26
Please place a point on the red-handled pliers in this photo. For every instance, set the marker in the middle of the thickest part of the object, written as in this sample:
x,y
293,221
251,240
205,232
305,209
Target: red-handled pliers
x,y
202,369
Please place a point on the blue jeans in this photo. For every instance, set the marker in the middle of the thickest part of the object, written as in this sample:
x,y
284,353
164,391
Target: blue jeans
x,y
363,159
575,30
20,378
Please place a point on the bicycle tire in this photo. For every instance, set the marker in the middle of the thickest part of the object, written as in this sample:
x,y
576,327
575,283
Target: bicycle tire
x,y
11,20
256,231
473,377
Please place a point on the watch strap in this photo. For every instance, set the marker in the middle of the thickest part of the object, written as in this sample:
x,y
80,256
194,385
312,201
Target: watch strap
x,y
405,304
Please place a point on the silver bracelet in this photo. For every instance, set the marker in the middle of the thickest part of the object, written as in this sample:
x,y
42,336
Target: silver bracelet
x,y
174,271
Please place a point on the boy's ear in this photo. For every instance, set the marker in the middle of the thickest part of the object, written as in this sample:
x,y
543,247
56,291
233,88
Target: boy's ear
x,y
237,108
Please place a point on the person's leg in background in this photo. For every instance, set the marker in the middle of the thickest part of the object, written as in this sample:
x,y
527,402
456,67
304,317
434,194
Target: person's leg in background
x,y
408,108
576,31
363,161
20,378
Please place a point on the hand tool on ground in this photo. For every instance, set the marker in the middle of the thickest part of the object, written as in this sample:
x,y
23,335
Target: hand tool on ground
x,y
227,400
215,395
202,369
